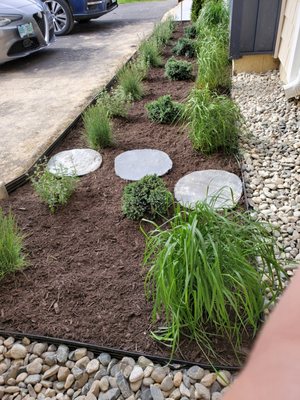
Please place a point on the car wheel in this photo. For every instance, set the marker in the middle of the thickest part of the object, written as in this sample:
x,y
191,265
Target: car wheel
x,y
62,16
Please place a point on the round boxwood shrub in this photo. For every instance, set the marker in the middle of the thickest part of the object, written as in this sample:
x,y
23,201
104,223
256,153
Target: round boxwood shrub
x,y
178,70
164,110
148,197
185,47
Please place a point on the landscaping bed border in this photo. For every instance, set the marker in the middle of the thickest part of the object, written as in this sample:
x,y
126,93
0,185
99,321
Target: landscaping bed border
x,y
117,353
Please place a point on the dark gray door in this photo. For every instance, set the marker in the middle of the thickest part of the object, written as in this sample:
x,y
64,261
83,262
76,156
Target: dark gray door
x,y
253,26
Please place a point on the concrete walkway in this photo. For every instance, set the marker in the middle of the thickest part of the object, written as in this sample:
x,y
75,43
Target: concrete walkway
x,y
42,94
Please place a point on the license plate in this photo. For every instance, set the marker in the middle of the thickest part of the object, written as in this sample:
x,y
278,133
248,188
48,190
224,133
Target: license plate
x,y
26,30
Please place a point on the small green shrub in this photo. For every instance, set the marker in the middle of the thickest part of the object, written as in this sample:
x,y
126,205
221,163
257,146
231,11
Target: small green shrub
x,y
97,125
54,190
185,47
190,32
116,103
213,64
196,8
178,70
11,245
207,275
214,122
130,79
164,110
147,197
150,52
163,32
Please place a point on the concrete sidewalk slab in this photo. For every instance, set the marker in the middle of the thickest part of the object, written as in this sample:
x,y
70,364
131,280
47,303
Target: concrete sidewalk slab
x,y
42,94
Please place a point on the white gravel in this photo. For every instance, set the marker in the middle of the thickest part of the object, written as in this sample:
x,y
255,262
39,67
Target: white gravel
x,y
271,156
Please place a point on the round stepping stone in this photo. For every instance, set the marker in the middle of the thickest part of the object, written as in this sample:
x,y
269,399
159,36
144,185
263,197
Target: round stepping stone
x,y
219,188
75,162
135,164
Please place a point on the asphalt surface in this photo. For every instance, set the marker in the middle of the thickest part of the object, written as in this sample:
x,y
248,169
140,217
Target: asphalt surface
x,y
40,95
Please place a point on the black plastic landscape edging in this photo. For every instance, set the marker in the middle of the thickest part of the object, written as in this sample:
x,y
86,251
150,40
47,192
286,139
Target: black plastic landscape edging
x,y
117,353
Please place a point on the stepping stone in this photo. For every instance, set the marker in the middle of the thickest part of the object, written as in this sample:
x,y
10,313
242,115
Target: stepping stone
x,y
135,164
75,162
220,188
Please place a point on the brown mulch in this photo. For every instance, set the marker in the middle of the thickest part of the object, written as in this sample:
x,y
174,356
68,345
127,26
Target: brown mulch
x,y
84,279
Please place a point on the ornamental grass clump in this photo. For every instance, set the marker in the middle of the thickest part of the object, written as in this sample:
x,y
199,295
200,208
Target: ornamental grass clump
x,y
148,197
97,125
11,245
116,103
214,122
163,32
185,47
164,110
54,190
214,13
150,52
196,8
178,70
130,79
207,276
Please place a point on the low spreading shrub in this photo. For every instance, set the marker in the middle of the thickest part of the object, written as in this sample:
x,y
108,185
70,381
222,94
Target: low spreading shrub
x,y
196,8
116,103
185,47
130,79
11,245
147,197
190,32
150,52
207,276
214,122
178,70
164,110
54,190
98,128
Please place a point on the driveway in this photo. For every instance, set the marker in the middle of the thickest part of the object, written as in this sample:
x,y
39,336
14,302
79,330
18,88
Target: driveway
x,y
42,94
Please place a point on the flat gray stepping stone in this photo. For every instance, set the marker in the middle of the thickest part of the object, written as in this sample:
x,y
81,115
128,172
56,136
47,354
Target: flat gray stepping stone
x,y
219,188
75,162
135,164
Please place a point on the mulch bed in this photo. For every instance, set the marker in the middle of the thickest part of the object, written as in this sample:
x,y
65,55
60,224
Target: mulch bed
x,y
84,279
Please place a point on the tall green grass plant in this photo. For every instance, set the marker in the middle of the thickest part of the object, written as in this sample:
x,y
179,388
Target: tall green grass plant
x,y
98,127
11,245
130,79
207,276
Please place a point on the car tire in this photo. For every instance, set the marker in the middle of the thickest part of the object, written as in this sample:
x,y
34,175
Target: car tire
x,y
62,15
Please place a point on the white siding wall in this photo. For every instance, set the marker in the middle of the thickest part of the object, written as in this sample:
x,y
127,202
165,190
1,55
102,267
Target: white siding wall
x,y
289,41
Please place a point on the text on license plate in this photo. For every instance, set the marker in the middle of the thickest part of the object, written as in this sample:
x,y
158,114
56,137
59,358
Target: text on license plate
x,y
26,30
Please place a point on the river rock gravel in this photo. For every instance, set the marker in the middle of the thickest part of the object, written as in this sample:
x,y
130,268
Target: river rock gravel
x,y
31,370
270,149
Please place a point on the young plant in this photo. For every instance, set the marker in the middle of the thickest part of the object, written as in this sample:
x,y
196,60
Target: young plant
x,y
190,32
98,127
11,245
163,32
116,103
164,110
207,275
213,64
150,52
54,190
130,79
214,122
178,70
214,13
185,47
196,8
148,197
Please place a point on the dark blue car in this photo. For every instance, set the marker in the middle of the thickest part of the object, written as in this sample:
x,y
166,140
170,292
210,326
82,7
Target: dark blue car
x,y
66,12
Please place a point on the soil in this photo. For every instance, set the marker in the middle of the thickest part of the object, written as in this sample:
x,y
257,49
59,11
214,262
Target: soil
x,y
84,279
